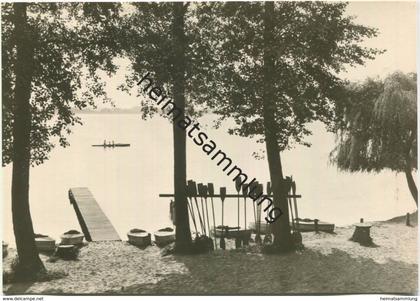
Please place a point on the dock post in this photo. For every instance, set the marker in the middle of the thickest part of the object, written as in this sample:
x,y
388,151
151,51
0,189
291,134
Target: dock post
x,y
407,219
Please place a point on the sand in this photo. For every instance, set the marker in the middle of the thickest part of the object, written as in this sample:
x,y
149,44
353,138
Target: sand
x,y
330,263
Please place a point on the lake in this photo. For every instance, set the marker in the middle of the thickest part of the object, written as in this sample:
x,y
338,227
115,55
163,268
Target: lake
x,y
126,182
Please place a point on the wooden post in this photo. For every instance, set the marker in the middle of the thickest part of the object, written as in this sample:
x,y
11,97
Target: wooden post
x,y
407,220
361,220
316,225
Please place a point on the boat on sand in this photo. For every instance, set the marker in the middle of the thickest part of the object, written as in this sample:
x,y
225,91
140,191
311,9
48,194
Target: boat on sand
x,y
308,225
5,246
264,227
231,232
139,237
44,243
72,237
301,224
164,236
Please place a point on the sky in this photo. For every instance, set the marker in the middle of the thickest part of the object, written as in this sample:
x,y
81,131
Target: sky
x,y
396,22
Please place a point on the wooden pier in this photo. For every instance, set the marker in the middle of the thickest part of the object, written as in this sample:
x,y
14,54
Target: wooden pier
x,y
95,225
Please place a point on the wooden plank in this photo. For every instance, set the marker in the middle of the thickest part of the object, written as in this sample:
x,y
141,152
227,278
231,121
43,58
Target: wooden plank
x,y
93,221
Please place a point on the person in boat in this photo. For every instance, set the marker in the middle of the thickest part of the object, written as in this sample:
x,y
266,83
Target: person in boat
x,y
104,142
113,144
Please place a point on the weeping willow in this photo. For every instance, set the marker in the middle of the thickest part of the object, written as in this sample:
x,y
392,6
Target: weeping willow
x,y
378,127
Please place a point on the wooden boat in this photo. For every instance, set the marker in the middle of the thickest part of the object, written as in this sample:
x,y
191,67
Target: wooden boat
x,y
231,232
5,245
72,237
112,145
139,238
164,236
264,227
308,225
303,225
44,243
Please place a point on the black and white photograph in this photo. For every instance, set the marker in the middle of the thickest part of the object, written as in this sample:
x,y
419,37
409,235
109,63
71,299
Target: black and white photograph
x,y
222,148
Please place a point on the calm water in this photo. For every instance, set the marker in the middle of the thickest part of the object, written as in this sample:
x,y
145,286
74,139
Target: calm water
x,y
127,181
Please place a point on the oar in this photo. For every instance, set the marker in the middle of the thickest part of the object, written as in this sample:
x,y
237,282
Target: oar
x,y
291,211
259,191
295,203
245,192
269,191
189,196
200,192
205,193
194,194
222,197
238,190
211,194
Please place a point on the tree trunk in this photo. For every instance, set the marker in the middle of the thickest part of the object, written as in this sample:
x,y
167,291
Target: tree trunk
x,y
410,180
411,185
183,234
29,262
281,227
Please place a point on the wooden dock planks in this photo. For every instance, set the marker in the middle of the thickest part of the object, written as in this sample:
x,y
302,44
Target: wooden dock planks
x,y
95,225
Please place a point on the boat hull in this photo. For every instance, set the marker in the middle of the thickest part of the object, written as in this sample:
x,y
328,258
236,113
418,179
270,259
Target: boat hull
x,y
5,246
141,239
310,226
232,233
163,238
45,244
301,226
72,239
264,227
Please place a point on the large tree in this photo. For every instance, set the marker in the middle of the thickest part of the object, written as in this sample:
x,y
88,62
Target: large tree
x,y
279,65
165,40
47,49
378,127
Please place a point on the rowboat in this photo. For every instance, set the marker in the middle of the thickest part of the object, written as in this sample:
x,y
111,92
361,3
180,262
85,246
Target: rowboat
x,y
164,236
44,243
5,245
72,237
303,225
308,225
231,232
112,145
264,227
139,238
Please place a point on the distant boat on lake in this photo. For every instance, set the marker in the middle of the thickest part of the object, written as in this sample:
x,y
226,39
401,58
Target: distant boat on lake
x,y
109,144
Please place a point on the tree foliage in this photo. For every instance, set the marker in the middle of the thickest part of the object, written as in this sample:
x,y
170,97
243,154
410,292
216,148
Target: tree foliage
x,y
72,41
379,125
150,46
314,42
378,128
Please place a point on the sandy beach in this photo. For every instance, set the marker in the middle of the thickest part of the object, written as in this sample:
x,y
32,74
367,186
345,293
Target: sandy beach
x,y
330,263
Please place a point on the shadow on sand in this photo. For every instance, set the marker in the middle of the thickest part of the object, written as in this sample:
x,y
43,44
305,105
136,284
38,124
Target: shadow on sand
x,y
306,272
